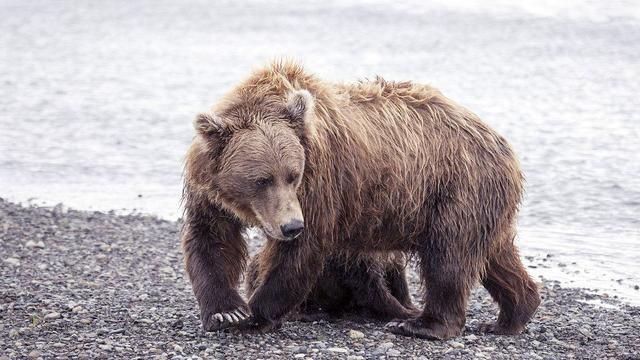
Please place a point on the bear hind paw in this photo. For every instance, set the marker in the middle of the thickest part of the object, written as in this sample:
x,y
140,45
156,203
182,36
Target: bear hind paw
x,y
424,330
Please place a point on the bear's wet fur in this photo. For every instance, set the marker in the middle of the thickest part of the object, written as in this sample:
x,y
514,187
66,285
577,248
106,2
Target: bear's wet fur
x,y
370,167
371,286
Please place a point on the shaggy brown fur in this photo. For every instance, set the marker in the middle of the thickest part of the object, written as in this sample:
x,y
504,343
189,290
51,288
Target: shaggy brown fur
x,y
371,286
373,167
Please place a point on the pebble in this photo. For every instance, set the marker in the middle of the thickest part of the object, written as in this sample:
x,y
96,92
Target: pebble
x,y
337,350
34,244
12,261
52,315
456,345
355,334
34,354
471,337
585,331
393,352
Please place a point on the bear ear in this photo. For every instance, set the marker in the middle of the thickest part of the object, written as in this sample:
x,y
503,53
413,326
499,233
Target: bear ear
x,y
209,125
300,104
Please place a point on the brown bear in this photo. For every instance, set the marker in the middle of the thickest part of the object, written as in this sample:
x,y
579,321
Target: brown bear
x,y
345,170
370,286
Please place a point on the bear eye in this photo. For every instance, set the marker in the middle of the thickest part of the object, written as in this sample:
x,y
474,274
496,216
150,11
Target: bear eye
x,y
264,182
292,178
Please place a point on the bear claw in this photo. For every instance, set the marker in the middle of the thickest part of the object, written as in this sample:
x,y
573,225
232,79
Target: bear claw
x,y
230,318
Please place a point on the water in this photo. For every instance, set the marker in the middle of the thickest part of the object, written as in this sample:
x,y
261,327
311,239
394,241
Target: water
x,y
97,98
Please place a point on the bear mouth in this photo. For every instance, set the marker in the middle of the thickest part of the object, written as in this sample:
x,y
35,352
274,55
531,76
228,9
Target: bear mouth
x,y
270,235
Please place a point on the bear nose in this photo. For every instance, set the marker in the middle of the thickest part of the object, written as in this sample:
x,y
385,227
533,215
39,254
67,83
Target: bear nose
x,y
292,229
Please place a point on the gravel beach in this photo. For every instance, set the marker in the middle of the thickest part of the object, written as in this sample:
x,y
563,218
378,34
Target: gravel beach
x,y
79,284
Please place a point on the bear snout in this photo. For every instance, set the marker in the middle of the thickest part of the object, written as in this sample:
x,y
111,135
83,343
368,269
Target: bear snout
x,y
292,229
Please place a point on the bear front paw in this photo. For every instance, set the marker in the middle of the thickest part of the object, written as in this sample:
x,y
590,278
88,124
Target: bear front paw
x,y
223,320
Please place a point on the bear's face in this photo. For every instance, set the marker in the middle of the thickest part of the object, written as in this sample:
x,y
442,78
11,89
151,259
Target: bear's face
x,y
260,171
260,161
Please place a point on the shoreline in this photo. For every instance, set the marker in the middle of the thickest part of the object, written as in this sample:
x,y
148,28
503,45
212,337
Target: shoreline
x,y
573,271
91,284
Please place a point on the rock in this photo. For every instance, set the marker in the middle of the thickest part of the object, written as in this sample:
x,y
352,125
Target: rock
x,y
456,345
12,261
167,270
13,333
337,350
178,324
471,337
382,348
177,348
355,357
85,321
533,355
34,354
299,356
585,331
34,244
535,343
52,315
355,334
106,347
393,352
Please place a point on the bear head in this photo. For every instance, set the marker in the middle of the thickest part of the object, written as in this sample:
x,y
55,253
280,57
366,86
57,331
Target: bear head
x,y
255,148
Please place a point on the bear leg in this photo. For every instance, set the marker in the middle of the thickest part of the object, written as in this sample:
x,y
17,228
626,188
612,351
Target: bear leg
x,y
215,256
287,272
327,299
447,288
450,255
511,287
366,281
399,288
